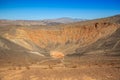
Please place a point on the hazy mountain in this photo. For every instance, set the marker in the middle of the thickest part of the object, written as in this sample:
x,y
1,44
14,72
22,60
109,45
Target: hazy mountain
x,y
64,20
38,22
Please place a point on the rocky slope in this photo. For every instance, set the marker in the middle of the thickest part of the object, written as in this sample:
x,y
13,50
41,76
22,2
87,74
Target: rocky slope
x,y
109,45
13,54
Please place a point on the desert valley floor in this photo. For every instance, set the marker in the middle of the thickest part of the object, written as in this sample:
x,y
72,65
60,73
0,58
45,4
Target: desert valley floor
x,y
74,68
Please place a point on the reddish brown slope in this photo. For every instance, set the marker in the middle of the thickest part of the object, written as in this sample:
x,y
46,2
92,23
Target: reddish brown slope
x,y
66,39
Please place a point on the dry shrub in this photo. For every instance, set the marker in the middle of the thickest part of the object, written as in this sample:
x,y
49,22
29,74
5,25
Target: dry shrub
x,y
74,66
19,68
27,67
12,68
9,69
50,67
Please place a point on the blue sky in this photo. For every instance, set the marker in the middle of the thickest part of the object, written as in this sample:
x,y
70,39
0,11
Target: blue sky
x,y
48,9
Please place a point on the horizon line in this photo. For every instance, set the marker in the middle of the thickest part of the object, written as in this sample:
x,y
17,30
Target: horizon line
x,y
57,18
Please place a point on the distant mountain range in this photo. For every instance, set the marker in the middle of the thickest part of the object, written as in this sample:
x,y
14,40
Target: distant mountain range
x,y
57,21
64,20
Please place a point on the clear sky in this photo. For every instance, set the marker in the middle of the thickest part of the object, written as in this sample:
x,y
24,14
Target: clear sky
x,y
48,9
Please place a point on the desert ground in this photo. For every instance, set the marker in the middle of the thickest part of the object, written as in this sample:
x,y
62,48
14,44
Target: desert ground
x,y
85,50
87,67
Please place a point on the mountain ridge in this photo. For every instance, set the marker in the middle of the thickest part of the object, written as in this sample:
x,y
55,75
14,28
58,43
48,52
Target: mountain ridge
x,y
56,21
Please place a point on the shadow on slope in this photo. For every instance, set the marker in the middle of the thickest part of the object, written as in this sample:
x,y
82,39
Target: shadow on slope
x,y
13,54
109,45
